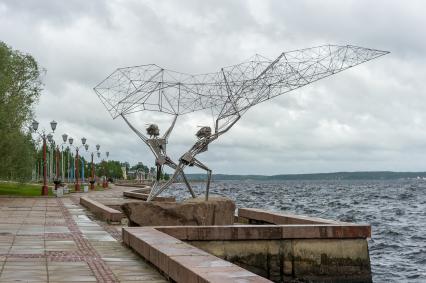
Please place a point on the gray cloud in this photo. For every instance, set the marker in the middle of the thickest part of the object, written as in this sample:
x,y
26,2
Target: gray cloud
x,y
368,118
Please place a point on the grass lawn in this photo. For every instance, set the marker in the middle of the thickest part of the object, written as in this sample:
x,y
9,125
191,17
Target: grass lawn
x,y
21,189
72,188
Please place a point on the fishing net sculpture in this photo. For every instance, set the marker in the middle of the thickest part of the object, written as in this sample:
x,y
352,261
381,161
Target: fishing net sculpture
x,y
227,94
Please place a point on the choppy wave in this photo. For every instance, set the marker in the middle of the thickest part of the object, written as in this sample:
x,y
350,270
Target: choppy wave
x,y
396,209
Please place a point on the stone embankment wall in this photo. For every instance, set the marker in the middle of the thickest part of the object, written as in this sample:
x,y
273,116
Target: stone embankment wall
x,y
255,244
287,260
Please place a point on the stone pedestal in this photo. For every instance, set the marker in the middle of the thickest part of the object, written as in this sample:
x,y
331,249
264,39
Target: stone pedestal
x,y
215,211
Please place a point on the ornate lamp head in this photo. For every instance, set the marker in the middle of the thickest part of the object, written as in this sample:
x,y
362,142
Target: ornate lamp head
x,y
53,125
34,125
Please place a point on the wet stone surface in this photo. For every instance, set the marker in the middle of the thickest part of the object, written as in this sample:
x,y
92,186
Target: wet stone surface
x,y
55,240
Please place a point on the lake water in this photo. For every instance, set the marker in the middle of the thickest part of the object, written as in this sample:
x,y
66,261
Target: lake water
x,y
396,210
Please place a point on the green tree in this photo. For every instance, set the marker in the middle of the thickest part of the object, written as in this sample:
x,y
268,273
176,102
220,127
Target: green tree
x,y
140,166
111,169
20,88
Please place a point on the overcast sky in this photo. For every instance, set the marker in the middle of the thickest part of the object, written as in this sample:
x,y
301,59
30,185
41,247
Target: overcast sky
x,y
371,117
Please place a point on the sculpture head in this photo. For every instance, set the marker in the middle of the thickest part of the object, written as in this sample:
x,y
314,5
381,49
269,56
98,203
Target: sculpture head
x,y
204,132
153,130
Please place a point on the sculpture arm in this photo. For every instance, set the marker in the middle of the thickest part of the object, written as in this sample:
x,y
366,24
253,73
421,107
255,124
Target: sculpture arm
x,y
231,100
135,130
218,133
169,130
230,125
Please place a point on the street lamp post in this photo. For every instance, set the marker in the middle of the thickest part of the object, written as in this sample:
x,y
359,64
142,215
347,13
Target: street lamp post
x,y
71,164
64,139
57,180
77,184
86,147
98,154
83,141
92,181
53,124
50,151
105,181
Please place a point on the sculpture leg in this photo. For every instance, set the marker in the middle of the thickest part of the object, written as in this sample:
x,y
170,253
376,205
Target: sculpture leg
x,y
153,189
159,168
191,191
156,183
178,170
173,165
209,175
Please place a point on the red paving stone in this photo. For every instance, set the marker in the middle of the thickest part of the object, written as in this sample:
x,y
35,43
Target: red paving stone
x,y
102,272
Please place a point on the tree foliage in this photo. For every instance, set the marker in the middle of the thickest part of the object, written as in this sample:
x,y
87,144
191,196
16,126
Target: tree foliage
x,y
110,169
20,88
141,167
147,170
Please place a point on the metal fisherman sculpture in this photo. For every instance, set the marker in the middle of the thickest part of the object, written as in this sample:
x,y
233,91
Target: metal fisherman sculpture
x,y
227,94
157,145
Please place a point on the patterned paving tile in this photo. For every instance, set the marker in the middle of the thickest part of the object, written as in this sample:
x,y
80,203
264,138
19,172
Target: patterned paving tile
x,y
55,240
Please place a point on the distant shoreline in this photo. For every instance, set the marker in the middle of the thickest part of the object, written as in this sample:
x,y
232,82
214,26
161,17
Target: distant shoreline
x,y
367,175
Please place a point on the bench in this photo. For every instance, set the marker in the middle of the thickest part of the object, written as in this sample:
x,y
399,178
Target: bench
x,y
102,211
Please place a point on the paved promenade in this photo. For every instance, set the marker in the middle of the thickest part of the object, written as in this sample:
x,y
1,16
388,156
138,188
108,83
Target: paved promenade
x,y
55,240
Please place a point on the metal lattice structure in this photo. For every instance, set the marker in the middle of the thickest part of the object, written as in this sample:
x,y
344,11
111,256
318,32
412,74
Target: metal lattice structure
x,y
258,80
152,88
228,93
